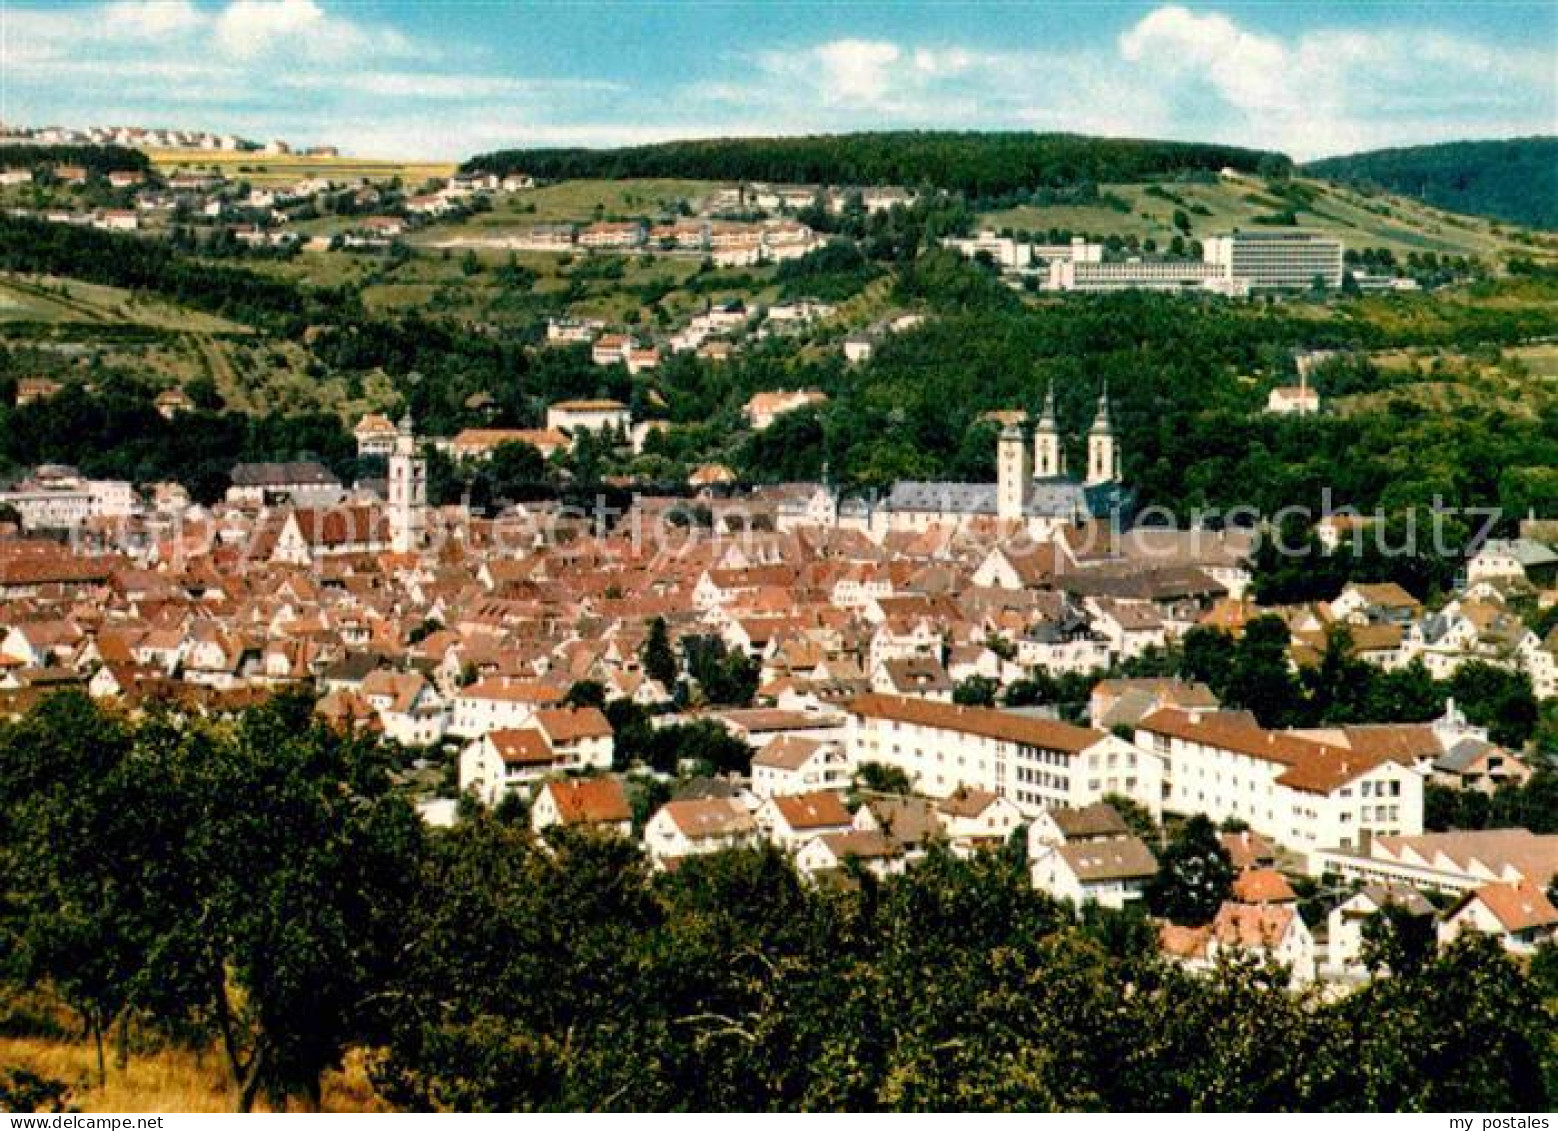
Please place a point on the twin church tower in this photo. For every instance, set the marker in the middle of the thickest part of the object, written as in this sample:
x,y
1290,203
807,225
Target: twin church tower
x,y
1019,472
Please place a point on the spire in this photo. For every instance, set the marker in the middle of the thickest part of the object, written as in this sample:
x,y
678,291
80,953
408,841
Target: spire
x,y
405,422
1048,460
1103,425
1103,454
1047,417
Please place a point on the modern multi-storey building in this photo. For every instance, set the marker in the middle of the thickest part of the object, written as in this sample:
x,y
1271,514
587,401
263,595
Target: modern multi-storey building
x,y
1035,763
1276,260
1140,275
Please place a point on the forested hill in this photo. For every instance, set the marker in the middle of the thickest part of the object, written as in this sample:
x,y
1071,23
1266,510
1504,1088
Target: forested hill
x,y
1514,180
977,164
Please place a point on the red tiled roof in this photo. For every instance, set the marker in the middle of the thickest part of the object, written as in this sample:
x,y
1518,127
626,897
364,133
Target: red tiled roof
x,y
524,747
590,801
822,809
986,722
570,724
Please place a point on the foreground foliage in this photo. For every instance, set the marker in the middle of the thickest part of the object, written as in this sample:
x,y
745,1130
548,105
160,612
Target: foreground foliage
x,y
255,884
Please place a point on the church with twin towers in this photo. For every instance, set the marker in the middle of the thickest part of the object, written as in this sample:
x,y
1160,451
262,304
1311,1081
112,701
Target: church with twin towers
x,y
1034,490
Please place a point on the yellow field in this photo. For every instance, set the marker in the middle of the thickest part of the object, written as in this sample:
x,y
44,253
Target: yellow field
x,y
261,168
169,1081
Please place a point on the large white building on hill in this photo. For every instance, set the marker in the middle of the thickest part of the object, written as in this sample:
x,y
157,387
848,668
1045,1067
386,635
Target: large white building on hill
x,y
1277,260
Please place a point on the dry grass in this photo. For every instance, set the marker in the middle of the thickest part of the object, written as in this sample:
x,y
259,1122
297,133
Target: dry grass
x,y
166,1081
261,168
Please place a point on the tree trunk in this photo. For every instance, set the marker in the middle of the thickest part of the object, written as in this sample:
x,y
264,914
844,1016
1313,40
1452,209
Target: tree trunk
x,y
97,1040
250,1087
122,1042
313,1094
224,1024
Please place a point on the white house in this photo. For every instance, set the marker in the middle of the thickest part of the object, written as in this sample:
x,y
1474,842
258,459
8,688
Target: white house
x,y
878,853
1109,872
689,828
1265,931
978,819
790,820
499,703
1518,914
791,764
504,761
580,737
588,416
409,707
1305,794
1345,925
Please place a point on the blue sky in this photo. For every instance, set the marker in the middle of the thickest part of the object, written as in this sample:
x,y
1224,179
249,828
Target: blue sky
x,y
445,78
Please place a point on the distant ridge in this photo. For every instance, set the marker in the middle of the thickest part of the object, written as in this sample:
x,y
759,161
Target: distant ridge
x,y
1515,180
975,163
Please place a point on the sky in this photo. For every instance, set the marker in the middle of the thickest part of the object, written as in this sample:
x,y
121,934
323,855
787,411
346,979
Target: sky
x,y
442,79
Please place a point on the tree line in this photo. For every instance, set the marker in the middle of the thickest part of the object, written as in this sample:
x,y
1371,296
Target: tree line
x,y
97,160
975,164
256,885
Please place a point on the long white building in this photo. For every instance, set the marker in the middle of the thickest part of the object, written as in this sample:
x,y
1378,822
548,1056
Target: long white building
x,y
1140,275
1276,260
1034,762
1306,795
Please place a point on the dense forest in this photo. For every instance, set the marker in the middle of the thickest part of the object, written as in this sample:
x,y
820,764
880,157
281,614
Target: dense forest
x,y
97,160
257,888
1515,180
979,165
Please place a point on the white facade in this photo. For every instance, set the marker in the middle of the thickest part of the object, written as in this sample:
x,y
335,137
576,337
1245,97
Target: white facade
x,y
1035,763
1276,260
1304,794
588,416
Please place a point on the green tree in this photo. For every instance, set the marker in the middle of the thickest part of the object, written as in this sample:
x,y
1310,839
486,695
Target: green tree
x,y
659,658
1260,679
1194,877
976,691
306,865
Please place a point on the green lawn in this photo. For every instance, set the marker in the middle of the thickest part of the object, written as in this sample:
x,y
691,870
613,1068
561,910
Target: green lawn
x,y
44,299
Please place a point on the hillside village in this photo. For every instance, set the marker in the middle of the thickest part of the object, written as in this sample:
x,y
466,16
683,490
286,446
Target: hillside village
x,y
857,678
602,557
809,647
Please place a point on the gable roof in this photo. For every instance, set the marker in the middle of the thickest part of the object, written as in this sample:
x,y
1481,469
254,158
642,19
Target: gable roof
x,y
863,844
1262,885
1518,906
787,752
986,722
1097,861
1091,822
523,747
590,801
702,818
572,724
1251,926
822,809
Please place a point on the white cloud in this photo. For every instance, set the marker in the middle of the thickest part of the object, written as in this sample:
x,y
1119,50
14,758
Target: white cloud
x,y
1247,69
857,70
148,19
249,28
1334,89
